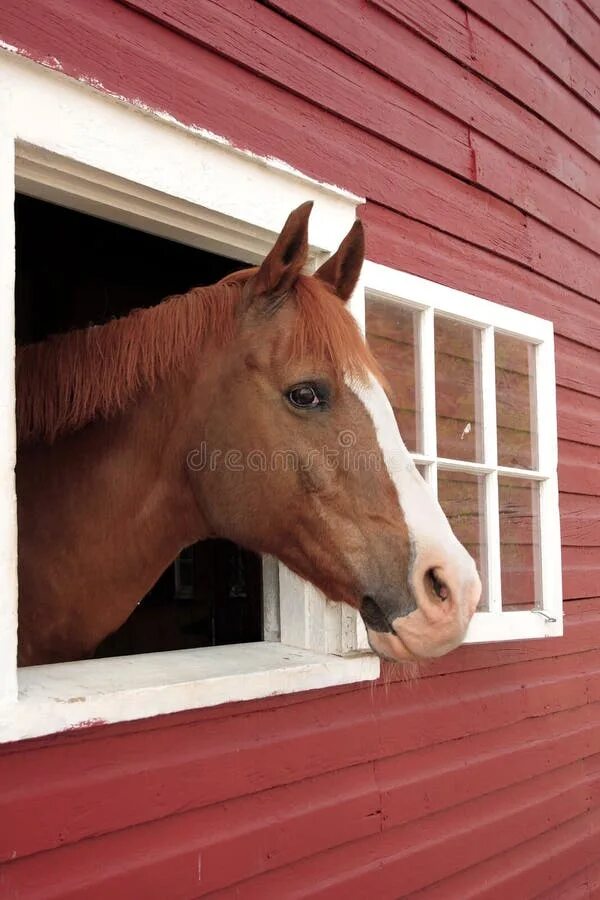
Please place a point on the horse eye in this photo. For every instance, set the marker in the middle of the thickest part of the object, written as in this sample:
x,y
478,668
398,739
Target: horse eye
x,y
303,396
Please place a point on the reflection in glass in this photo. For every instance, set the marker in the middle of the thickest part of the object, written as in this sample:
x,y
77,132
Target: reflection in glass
x,y
392,336
515,402
519,542
462,497
458,390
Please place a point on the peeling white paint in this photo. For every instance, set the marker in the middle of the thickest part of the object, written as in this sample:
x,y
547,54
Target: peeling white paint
x,y
198,131
12,49
162,115
50,62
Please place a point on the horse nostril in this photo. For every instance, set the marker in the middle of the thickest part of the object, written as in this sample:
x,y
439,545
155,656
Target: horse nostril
x,y
439,588
373,616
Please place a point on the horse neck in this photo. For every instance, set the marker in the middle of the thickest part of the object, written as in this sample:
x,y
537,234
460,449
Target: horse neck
x,y
117,493
146,460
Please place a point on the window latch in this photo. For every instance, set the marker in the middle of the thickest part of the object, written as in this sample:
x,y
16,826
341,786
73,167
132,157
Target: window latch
x,y
540,612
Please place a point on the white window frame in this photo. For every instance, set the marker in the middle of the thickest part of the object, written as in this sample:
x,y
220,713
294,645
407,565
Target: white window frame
x,y
63,141
429,298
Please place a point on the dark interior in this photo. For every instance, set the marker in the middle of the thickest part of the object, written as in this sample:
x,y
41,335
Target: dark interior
x,y
75,270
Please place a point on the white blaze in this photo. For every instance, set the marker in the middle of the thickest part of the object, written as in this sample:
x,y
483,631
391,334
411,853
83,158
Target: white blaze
x,y
429,530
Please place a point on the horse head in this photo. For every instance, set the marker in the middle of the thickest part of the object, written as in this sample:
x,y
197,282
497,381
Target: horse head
x,y
302,457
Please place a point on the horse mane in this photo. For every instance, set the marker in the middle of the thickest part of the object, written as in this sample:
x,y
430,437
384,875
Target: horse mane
x,y
68,380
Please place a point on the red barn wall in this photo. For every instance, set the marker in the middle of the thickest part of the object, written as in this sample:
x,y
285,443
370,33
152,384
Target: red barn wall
x,y
472,128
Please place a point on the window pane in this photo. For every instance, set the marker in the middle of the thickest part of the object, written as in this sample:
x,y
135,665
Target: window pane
x,y
519,542
458,390
392,336
462,497
515,401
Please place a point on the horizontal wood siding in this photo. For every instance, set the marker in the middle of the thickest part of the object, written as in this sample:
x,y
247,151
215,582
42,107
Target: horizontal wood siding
x,y
397,787
473,130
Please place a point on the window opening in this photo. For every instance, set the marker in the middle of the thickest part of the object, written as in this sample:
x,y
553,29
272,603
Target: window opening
x,y
74,270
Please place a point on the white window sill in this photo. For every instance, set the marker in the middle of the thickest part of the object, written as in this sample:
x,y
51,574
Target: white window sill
x,y
513,625
55,698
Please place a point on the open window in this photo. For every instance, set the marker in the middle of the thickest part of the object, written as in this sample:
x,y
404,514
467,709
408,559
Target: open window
x,y
74,270
191,201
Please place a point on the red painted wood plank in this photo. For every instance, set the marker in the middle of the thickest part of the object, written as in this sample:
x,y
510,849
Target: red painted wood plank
x,y
532,30
593,6
534,192
573,266
578,468
582,885
578,417
268,44
525,870
576,22
446,775
562,260
183,857
221,845
336,150
581,572
515,72
580,520
577,366
416,187
449,85
415,247
191,855
67,791
487,52
413,856
512,701
194,852
441,22
163,859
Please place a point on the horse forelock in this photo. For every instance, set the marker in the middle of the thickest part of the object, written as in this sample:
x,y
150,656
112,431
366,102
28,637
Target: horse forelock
x,y
68,380
325,331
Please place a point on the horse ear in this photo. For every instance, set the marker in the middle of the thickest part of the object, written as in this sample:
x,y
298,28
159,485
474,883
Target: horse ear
x,y
341,270
283,264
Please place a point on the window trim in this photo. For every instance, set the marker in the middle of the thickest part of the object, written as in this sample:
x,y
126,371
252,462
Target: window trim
x,y
53,146
428,297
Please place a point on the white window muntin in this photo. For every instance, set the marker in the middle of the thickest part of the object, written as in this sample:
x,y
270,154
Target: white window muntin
x,y
429,298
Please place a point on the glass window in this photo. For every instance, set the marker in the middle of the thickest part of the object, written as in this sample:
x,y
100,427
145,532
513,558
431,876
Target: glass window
x,y
466,395
392,335
458,390
515,402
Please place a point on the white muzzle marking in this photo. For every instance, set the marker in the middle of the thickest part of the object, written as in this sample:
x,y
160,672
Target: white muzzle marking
x,y
433,543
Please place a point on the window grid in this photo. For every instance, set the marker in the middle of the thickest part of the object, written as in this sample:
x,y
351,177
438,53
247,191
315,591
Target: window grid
x,y
487,319
485,393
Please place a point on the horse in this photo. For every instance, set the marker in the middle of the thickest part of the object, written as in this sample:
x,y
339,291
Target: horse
x,y
113,423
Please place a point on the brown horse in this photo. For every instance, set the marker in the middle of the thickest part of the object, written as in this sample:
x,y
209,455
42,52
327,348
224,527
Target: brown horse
x,y
267,377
